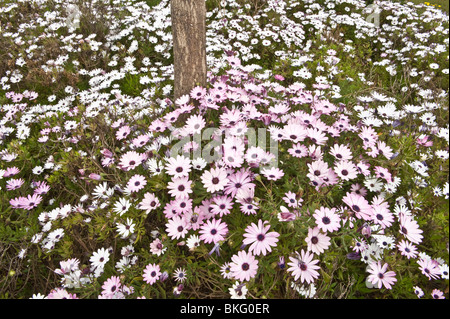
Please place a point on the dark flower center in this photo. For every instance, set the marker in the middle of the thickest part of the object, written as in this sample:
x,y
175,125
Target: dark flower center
x,y
179,169
326,220
314,240
215,180
181,188
260,237
356,208
245,266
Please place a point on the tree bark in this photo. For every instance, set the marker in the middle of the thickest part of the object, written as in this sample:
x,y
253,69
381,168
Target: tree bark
x,y
189,45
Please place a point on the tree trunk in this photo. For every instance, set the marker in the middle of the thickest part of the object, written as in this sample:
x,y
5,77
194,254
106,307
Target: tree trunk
x,y
189,45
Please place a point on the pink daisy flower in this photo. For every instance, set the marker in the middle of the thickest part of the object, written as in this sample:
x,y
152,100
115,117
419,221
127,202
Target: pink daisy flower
x,y
14,183
194,124
291,200
273,173
180,187
151,273
215,179
243,266
111,286
261,241
194,218
382,172
136,183
178,167
298,150
317,242
130,160
379,277
19,202
149,203
182,205
11,171
242,179
359,205
327,219
346,170
123,132
198,92
61,293
141,140
341,152
222,205
410,229
437,294
382,216
213,231
304,267
177,227
317,169
31,201
429,268
407,249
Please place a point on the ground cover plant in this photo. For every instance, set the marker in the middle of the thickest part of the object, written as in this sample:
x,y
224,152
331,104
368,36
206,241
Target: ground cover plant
x,y
313,165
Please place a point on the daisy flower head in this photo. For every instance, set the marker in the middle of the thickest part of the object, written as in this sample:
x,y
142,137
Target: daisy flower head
x,y
180,187
379,276
157,247
194,124
151,274
437,294
61,293
346,170
429,268
238,291
111,286
213,231
136,183
273,173
122,206
407,249
410,229
178,167
317,242
130,160
382,216
177,227
291,200
215,179
180,275
341,152
359,205
244,266
123,132
418,291
327,219
222,205
260,239
149,203
225,270
100,258
298,150
304,267
126,229
193,242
